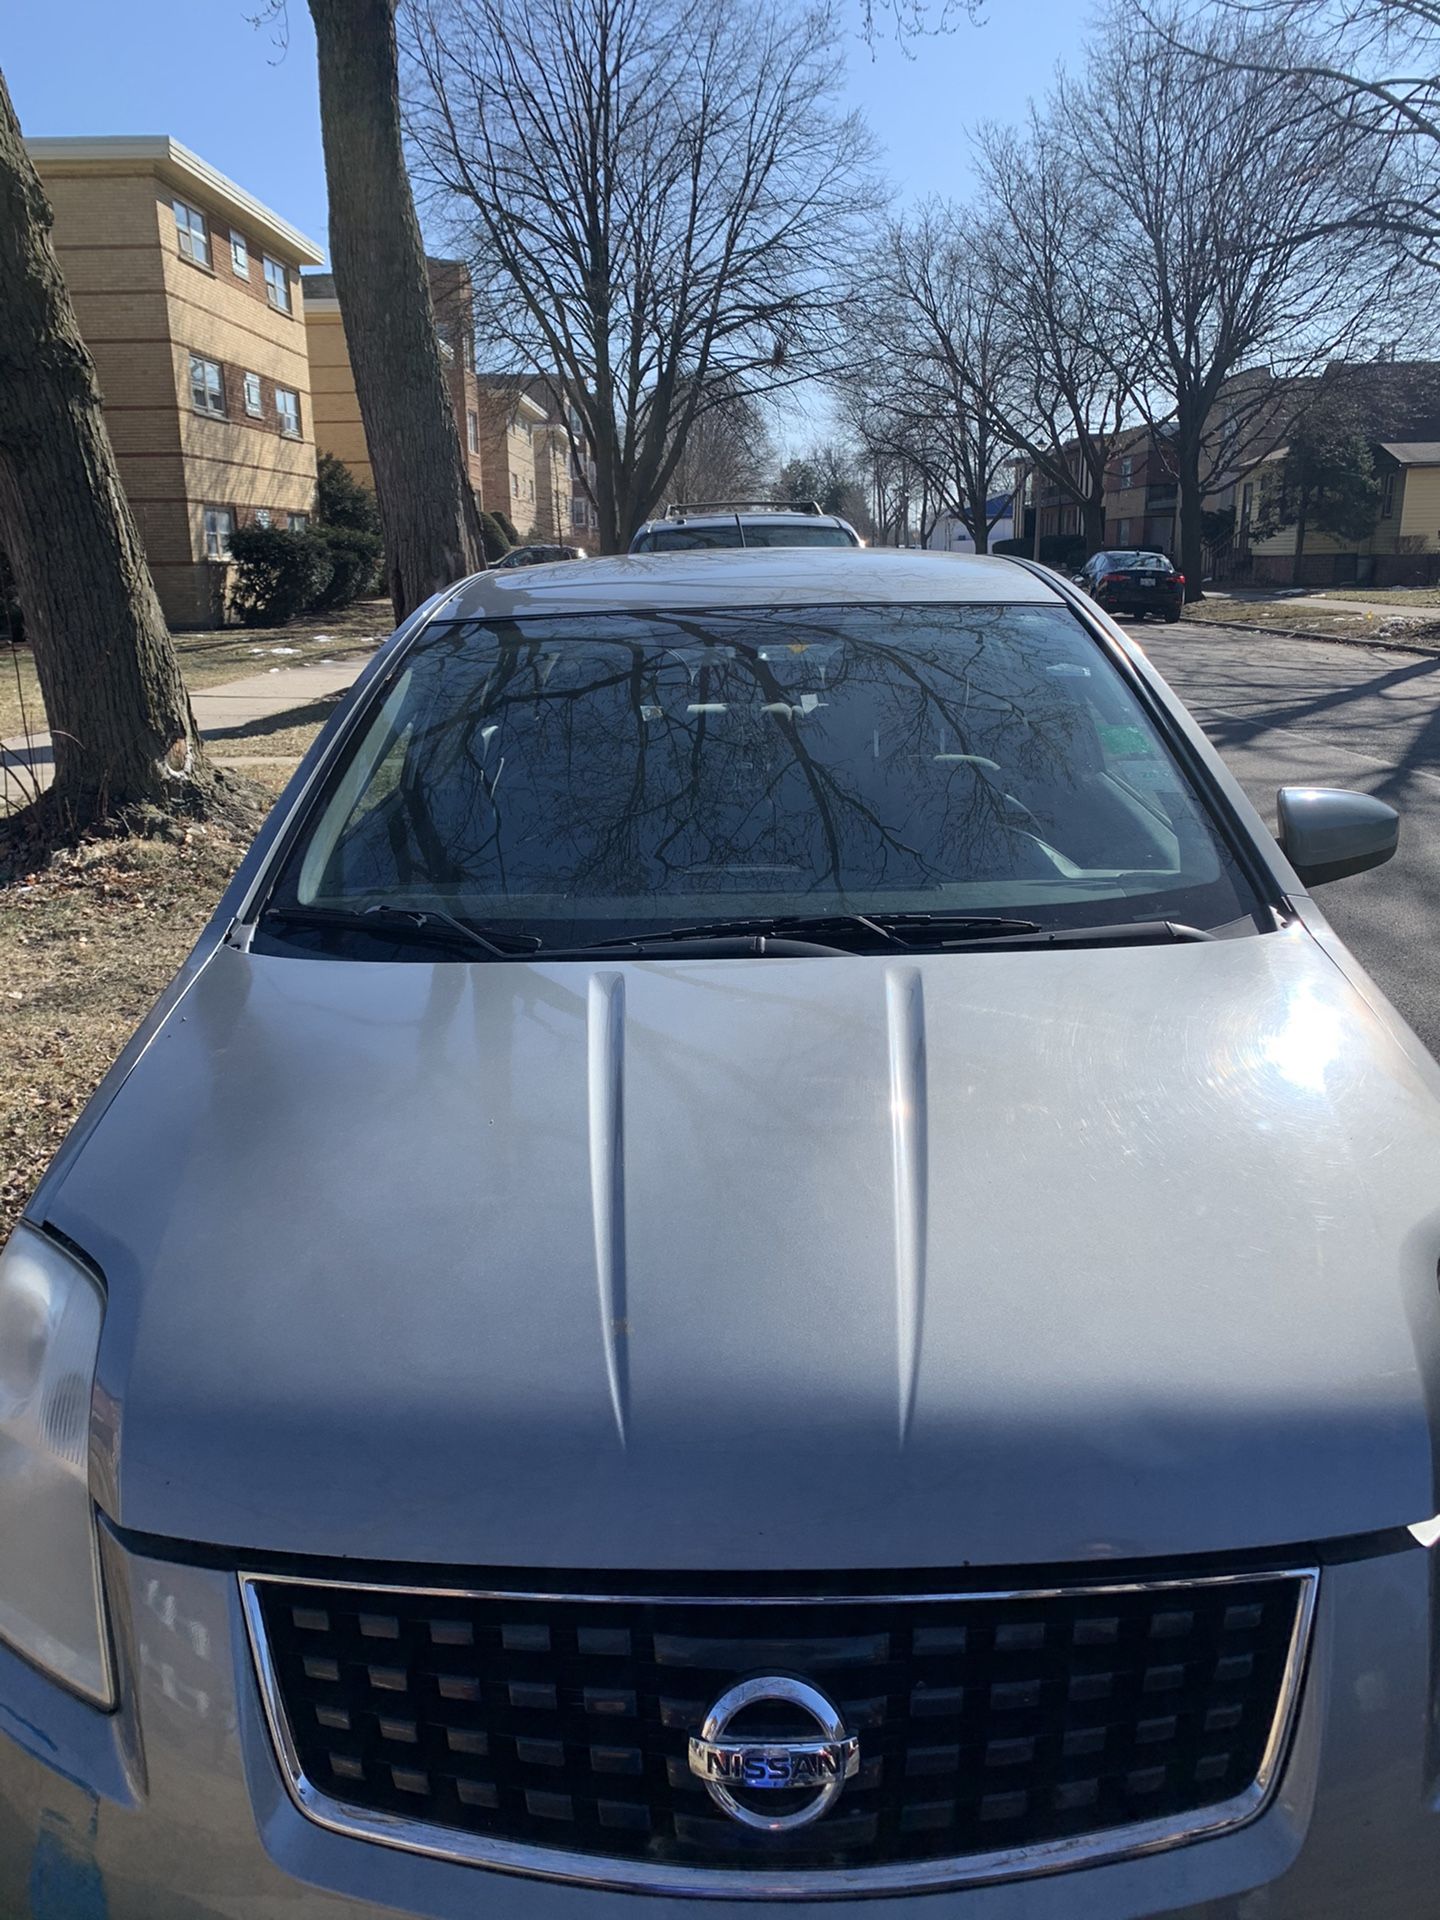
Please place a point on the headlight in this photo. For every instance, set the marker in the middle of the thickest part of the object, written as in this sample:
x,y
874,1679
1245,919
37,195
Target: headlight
x,y
51,1607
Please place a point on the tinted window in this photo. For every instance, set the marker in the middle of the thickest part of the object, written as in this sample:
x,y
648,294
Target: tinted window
x,y
1138,563
794,533
578,777
682,539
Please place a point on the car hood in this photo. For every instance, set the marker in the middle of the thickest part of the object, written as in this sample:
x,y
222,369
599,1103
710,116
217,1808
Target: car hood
x,y
782,1264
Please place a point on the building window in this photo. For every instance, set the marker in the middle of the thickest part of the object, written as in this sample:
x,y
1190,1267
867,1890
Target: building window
x,y
239,254
472,431
277,284
577,513
467,350
207,386
1122,533
262,516
515,486
287,405
252,394
1127,470
219,525
1387,498
297,522
193,233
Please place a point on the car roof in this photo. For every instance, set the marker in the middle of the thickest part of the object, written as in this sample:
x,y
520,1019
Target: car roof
x,y
747,577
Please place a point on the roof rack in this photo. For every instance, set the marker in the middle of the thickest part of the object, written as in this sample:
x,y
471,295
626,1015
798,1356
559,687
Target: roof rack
x,y
679,510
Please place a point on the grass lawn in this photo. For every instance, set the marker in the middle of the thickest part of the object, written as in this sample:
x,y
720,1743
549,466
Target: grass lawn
x,y
89,940
85,946
225,653
1313,616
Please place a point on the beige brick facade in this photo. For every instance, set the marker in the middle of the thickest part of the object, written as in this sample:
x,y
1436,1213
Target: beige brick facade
x,y
339,428
145,309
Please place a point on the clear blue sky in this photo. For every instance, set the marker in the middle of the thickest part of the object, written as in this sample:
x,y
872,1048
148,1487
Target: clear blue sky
x,y
197,70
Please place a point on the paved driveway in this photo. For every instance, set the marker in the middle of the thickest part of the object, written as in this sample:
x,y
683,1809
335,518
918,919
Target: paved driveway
x,y
1300,711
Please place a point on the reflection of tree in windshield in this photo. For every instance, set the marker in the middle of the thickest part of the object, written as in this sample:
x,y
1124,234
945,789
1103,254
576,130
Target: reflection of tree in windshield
x,y
818,757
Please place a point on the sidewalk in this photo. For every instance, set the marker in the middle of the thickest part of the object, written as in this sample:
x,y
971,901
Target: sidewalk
x,y
1320,597
222,711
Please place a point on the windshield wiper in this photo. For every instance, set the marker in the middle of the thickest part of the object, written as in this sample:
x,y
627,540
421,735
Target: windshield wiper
x,y
886,929
1115,933
412,923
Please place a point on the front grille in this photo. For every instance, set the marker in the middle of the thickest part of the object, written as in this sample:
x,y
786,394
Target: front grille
x,y
989,1724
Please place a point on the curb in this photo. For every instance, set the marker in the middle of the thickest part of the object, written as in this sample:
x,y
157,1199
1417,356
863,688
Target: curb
x,y
1327,639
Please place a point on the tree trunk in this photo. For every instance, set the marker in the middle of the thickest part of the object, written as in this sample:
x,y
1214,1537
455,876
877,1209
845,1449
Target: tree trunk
x,y
117,709
1192,537
1298,566
1092,519
427,510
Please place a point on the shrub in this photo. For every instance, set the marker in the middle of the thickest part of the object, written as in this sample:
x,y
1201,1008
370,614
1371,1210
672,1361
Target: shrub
x,y
354,561
493,537
1065,552
277,574
1023,547
341,500
507,527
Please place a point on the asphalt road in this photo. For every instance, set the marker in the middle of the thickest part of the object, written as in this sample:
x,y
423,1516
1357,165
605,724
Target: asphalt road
x,y
1302,712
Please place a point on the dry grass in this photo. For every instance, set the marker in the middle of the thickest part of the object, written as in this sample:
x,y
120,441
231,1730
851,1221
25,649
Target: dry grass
x,y
1312,616
89,939
207,659
86,944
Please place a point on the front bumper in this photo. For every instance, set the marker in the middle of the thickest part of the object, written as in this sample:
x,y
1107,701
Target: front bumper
x,y
173,1808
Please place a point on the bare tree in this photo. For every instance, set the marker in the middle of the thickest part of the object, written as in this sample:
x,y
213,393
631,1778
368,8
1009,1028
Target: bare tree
x,y
432,527
661,199
1077,354
119,716
727,453
938,370
1378,60
1228,216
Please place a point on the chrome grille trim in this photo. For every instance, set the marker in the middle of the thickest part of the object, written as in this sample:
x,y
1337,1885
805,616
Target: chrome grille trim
x,y
1099,1848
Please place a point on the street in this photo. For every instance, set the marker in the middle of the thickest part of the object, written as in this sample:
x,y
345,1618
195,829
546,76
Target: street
x,y
1301,712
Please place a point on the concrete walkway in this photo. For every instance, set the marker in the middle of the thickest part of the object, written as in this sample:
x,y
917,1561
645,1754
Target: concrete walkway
x,y
220,711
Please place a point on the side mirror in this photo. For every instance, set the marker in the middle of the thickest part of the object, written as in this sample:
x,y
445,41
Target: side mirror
x,y
1328,833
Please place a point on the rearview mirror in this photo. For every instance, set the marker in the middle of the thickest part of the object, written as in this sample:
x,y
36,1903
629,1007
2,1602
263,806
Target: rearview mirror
x,y
1328,833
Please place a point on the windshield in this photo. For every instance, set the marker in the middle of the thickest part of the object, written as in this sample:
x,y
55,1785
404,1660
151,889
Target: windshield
x,y
1137,563
575,778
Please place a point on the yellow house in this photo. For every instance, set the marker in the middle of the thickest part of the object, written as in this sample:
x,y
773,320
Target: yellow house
x,y
1401,550
187,291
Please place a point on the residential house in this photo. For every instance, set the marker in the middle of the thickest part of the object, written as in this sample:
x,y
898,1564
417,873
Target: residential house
x,y
1141,492
339,429
187,291
1401,550
553,489
949,534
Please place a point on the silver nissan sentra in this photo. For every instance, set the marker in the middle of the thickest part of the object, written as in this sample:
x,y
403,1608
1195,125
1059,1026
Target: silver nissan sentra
x,y
768,1253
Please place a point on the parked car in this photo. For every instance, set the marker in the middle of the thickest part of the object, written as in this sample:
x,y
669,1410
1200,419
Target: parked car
x,y
744,523
538,555
1136,581
768,1252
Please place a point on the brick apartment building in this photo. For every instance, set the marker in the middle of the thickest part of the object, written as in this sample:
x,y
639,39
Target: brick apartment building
x,y
509,421
338,426
187,292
